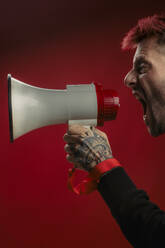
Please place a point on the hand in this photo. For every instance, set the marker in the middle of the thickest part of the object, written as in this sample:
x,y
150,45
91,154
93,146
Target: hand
x,y
86,147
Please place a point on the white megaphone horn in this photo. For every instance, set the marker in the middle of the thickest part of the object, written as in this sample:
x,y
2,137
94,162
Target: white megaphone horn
x,y
34,107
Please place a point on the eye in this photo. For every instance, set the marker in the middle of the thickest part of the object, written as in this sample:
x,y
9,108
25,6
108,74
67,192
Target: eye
x,y
142,68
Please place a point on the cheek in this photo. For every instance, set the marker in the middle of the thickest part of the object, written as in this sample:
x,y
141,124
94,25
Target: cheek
x,y
147,85
153,85
151,82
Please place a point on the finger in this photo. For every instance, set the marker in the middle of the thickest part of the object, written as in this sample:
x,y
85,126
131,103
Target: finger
x,y
77,129
102,134
71,138
71,159
68,148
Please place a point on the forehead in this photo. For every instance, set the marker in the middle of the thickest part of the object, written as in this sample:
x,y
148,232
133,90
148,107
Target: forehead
x,y
148,49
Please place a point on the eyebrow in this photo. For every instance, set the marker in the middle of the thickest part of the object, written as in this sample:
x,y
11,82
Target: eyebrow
x,y
139,60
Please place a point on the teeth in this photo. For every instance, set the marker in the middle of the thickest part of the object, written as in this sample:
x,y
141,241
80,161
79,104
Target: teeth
x,y
146,120
144,117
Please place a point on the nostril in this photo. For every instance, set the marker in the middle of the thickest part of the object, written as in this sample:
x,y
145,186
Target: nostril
x,y
131,84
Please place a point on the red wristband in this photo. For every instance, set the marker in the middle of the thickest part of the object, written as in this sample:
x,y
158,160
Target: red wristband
x,y
89,184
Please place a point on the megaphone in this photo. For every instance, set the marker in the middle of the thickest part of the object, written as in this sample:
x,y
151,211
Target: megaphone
x,y
33,107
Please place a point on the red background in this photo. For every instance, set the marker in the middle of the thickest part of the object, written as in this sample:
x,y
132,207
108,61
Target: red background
x,y
46,44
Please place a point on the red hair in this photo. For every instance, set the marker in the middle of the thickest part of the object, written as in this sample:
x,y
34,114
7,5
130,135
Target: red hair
x,y
145,28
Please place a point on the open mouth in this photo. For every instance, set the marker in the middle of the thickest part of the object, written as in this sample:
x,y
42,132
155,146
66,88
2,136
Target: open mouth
x,y
144,105
146,113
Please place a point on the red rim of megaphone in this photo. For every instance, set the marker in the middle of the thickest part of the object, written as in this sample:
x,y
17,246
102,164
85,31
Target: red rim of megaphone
x,y
107,103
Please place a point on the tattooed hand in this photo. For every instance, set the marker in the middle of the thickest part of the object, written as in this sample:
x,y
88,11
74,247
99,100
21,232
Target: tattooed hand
x,y
86,147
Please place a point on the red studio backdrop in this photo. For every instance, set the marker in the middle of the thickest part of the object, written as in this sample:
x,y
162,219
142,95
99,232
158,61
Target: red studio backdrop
x,y
50,44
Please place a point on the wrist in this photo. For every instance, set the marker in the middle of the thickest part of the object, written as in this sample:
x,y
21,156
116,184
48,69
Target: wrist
x,y
98,162
91,182
102,168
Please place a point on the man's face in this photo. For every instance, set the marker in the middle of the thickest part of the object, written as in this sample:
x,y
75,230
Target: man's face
x,y
147,81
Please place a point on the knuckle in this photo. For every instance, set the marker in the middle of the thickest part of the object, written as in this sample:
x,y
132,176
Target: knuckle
x,y
66,147
68,150
65,137
71,128
68,157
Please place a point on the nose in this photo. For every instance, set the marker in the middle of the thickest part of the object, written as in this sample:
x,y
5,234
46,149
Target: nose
x,y
130,79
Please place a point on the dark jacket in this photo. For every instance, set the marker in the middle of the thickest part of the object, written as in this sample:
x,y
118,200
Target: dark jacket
x,y
141,221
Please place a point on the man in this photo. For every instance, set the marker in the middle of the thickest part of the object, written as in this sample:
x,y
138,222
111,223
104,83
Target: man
x,y
141,221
